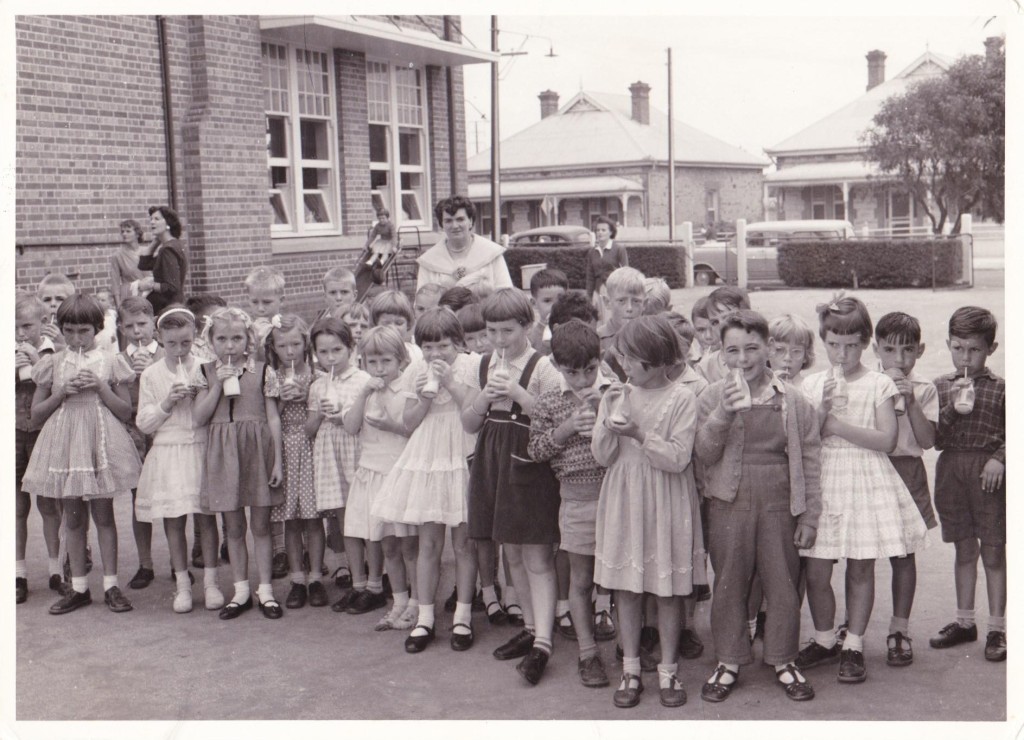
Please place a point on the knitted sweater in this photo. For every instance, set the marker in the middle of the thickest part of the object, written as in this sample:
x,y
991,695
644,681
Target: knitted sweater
x,y
573,463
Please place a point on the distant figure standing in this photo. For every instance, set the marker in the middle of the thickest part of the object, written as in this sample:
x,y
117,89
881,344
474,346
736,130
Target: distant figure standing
x,y
605,257
166,258
124,263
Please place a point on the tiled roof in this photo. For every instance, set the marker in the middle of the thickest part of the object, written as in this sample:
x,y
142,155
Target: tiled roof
x,y
597,129
841,130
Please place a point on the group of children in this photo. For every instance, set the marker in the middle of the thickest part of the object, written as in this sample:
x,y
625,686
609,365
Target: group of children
x,y
613,456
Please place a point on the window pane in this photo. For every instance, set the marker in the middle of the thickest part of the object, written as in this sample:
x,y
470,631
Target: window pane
x,y
313,136
379,144
378,179
408,94
314,178
378,92
278,208
411,207
277,137
275,77
312,82
315,209
411,180
278,177
409,147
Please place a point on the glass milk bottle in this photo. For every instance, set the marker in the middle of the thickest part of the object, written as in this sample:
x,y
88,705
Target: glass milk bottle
x,y
964,403
840,393
231,387
745,403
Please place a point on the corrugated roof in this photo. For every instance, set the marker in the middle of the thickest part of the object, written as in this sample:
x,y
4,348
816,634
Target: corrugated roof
x,y
596,185
597,129
842,129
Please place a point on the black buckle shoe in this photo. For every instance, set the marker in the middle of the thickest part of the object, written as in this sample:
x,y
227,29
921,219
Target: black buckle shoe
x,y
532,666
517,647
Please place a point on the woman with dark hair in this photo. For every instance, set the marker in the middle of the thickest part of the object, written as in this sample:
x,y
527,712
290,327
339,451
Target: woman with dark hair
x,y
124,263
462,257
166,258
605,257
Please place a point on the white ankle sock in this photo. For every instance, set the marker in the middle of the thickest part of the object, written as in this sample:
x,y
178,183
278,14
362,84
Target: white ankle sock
x,y
426,616
20,570
854,642
109,582
265,593
826,639
561,607
241,592
299,577
54,566
80,583
182,580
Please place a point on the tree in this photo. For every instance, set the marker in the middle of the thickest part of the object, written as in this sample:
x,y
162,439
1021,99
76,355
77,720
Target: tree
x,y
944,140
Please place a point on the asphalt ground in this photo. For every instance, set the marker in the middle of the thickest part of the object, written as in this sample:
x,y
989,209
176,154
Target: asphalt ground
x,y
153,664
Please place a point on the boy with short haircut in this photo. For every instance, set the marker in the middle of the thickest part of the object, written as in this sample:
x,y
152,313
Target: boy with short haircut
x,y
339,285
545,288
136,323
970,487
53,290
898,347
573,305
561,425
625,301
456,297
392,308
657,296
29,315
762,478
264,287
428,296
722,302
706,339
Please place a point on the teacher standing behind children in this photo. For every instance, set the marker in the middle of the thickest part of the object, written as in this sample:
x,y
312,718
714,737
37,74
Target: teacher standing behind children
x,y
462,257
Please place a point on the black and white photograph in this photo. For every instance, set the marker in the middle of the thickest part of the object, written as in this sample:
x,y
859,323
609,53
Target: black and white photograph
x,y
535,362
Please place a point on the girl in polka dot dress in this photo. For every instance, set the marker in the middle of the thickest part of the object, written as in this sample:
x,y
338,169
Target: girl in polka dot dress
x,y
289,353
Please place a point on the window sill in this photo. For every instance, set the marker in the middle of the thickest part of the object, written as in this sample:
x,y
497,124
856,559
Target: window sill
x,y
310,244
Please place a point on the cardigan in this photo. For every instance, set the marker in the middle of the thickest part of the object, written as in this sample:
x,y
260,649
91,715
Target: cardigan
x,y
600,263
169,269
719,447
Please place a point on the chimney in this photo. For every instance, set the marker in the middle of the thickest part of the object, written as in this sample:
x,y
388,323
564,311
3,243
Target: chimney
x,y
548,103
876,68
993,46
641,93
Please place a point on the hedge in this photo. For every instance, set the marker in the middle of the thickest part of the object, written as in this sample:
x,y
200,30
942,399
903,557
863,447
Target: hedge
x,y
653,261
877,263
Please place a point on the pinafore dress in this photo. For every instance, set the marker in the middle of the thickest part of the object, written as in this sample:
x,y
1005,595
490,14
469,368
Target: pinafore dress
x,y
511,498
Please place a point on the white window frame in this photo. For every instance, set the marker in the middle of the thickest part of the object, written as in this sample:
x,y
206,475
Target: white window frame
x,y
388,114
294,196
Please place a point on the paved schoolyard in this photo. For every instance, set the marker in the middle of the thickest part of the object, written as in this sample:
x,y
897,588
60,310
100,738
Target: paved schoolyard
x,y
152,664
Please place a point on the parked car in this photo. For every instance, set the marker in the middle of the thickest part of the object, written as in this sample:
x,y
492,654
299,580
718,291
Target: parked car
x,y
716,261
553,236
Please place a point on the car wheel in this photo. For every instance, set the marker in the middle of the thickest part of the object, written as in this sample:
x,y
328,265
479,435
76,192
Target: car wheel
x,y
703,277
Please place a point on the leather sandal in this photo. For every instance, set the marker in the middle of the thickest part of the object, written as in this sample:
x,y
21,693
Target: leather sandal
x,y
797,690
418,643
233,609
716,691
495,613
628,693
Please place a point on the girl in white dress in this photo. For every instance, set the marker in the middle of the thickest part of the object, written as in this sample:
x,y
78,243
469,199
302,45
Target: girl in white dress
x,y
376,416
172,475
867,511
428,484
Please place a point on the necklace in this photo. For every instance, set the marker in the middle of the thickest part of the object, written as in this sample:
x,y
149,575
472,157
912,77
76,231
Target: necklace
x,y
456,252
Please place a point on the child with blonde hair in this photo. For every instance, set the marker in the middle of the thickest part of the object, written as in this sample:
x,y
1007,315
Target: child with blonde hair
x,y
243,452
392,308
339,284
264,288
790,347
657,296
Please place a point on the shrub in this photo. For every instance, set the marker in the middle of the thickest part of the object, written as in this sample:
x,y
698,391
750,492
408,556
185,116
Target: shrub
x,y
653,261
877,263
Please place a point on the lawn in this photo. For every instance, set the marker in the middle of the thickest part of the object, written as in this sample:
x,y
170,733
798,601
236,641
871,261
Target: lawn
x,y
932,309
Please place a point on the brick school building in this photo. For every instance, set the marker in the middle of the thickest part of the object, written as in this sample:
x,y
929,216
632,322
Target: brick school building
x,y
275,138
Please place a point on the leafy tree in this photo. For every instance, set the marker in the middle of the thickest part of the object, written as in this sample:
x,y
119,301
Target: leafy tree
x,y
944,141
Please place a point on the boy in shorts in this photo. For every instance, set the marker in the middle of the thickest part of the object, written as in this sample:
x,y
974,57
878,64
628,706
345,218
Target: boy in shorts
x,y
561,425
970,483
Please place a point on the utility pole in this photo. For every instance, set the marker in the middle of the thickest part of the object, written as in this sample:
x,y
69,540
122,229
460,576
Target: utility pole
x,y
495,141
671,157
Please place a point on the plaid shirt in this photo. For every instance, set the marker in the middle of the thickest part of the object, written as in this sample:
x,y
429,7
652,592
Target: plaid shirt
x,y
982,429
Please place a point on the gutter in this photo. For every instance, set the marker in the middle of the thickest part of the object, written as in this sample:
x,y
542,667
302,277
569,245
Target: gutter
x,y
165,81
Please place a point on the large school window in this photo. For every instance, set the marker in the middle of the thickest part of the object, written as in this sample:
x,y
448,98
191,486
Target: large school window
x,y
301,134
398,141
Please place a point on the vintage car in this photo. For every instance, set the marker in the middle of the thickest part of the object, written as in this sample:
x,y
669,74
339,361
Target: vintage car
x,y
716,261
553,236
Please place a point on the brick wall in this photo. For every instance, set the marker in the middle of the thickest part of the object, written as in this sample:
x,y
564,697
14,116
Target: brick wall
x,y
739,194
91,147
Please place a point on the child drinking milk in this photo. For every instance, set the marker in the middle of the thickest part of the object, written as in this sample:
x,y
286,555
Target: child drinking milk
x,y
243,452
